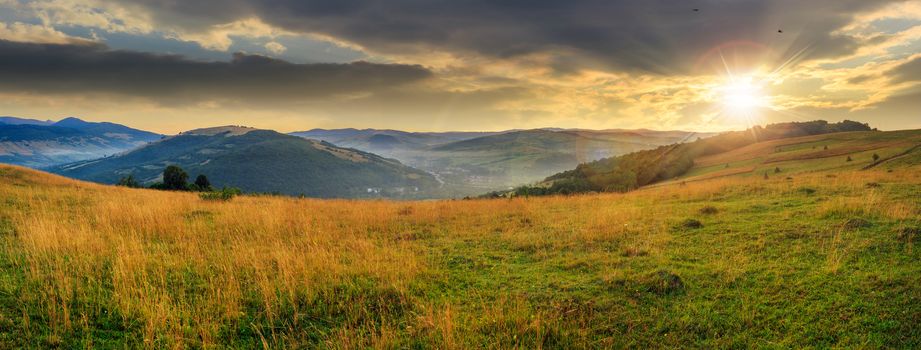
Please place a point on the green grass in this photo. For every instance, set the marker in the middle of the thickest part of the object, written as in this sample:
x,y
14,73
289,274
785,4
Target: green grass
x,y
772,265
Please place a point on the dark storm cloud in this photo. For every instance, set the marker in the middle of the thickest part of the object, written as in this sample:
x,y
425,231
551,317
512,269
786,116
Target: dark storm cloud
x,y
62,68
662,36
909,71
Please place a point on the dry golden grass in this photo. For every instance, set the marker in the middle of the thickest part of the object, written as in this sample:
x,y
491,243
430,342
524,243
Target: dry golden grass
x,y
181,272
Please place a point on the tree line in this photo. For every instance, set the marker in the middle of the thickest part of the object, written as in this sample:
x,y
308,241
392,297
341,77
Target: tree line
x,y
177,179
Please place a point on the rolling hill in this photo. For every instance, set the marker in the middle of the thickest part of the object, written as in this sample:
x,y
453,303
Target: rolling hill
x,y
471,163
382,141
262,161
827,259
676,161
40,144
20,121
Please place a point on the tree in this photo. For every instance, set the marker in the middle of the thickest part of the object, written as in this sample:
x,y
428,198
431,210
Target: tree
x,y
849,158
875,157
174,178
825,147
128,181
202,183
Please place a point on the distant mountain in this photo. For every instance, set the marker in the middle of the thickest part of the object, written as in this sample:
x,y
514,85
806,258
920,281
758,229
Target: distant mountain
x,y
21,121
39,144
642,168
263,161
382,141
472,162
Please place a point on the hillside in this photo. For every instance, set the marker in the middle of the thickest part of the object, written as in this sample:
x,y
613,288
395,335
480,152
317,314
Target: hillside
x,y
825,260
643,168
381,141
40,144
262,161
818,153
471,163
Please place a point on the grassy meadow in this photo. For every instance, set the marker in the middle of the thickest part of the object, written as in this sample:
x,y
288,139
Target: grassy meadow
x,y
826,259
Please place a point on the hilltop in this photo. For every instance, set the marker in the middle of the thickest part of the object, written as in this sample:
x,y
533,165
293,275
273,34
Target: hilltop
x,y
262,161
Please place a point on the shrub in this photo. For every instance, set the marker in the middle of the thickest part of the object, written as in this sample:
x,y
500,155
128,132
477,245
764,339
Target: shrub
x,y
776,170
202,183
129,181
225,194
849,158
875,157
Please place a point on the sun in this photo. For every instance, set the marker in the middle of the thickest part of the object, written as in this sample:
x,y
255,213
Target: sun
x,y
742,97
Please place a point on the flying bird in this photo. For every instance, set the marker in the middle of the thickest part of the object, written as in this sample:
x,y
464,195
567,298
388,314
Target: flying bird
x,y
696,10
780,31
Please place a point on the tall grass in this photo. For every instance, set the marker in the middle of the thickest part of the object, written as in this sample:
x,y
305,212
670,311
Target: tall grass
x,y
96,266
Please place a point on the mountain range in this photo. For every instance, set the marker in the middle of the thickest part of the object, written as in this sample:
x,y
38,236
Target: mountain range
x,y
473,162
41,144
263,161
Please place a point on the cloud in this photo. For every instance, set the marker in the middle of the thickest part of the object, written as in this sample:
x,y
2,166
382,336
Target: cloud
x,y
93,68
24,32
658,36
908,71
275,48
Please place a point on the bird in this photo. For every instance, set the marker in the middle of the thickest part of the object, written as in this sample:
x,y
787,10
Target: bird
x,y
780,30
696,10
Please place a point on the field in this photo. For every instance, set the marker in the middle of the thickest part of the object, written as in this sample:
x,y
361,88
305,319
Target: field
x,y
824,259
819,153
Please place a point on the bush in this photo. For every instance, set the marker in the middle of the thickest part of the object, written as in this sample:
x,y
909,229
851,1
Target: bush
x,y
174,178
202,183
225,194
129,181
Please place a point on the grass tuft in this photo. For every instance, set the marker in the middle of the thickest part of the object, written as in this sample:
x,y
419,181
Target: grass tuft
x,y
691,224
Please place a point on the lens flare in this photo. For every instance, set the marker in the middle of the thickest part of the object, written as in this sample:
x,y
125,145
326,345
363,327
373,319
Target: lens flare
x,y
742,97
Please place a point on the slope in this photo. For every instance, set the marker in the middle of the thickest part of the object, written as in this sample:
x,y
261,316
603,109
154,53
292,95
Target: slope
x,y
41,144
262,161
644,168
819,153
811,262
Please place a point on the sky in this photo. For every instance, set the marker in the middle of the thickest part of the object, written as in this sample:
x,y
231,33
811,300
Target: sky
x,y
439,65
